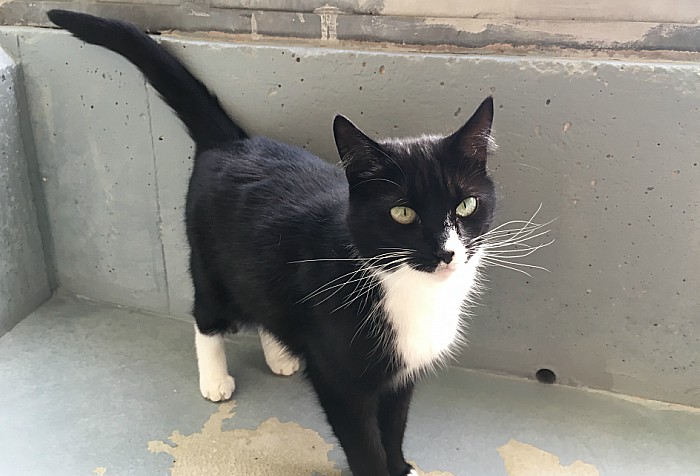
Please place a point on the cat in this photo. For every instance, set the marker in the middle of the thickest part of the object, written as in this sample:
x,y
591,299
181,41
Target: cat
x,y
361,271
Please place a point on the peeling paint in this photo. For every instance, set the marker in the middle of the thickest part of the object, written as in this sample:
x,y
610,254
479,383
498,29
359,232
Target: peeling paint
x,y
599,55
254,27
581,32
432,473
199,14
329,22
478,24
521,459
467,25
566,67
683,11
273,447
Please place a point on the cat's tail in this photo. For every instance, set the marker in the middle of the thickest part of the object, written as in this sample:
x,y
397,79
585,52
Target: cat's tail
x,y
200,111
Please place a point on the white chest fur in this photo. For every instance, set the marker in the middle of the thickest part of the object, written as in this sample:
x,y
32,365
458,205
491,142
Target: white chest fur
x,y
425,311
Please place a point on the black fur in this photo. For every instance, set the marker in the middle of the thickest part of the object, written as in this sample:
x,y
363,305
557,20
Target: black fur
x,y
259,212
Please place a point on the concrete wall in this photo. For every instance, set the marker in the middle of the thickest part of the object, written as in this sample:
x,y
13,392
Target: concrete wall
x,y
494,24
610,148
680,11
23,279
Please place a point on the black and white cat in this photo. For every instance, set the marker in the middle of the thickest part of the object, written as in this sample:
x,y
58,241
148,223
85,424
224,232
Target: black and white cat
x,y
361,272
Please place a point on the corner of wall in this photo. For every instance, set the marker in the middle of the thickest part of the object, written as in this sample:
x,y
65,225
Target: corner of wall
x,y
24,282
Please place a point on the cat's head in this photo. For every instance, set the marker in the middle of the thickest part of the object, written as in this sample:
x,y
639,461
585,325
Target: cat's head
x,y
420,201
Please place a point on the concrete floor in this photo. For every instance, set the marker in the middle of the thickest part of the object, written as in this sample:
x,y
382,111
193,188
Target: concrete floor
x,y
92,389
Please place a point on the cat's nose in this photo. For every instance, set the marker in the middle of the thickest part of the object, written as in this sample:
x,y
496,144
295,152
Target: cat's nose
x,y
445,255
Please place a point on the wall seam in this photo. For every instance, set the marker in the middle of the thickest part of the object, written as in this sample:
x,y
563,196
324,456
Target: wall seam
x,y
34,173
156,182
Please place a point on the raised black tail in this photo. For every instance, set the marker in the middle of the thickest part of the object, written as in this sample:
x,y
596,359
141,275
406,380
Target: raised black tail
x,y
207,122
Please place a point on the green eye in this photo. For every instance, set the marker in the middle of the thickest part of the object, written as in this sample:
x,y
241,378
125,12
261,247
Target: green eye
x,y
403,215
466,207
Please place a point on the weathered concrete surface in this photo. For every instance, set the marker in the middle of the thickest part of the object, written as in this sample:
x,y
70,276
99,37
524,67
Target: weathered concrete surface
x,y
174,151
97,177
582,25
23,280
134,380
611,148
682,11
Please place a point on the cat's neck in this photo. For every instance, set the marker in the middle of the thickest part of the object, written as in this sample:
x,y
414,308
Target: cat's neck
x,y
425,312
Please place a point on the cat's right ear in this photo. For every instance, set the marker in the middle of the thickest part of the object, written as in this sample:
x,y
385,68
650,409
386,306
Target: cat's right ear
x,y
473,140
358,153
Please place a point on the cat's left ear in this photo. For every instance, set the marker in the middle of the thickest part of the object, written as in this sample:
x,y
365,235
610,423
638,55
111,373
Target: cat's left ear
x,y
473,139
358,153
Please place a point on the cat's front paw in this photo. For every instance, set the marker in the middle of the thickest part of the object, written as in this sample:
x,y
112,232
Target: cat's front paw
x,y
410,471
277,356
217,389
283,364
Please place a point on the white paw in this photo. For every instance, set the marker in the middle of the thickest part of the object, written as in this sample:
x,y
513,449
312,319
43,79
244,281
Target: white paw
x,y
412,473
282,364
217,389
278,358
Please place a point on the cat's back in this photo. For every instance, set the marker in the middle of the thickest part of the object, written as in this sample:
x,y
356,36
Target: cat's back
x,y
259,180
260,161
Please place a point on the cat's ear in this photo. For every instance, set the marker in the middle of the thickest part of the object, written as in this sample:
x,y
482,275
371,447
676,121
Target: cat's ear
x,y
473,139
358,153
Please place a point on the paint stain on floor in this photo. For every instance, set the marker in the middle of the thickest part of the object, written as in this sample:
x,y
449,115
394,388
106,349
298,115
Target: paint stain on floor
x,y
273,448
432,473
522,459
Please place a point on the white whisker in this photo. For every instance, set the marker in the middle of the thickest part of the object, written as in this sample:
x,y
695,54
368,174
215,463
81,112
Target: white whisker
x,y
330,284
502,261
502,244
515,221
508,242
516,234
507,267
523,251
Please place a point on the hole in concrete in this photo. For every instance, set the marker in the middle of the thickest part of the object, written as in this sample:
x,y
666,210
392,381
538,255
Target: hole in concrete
x,y
545,376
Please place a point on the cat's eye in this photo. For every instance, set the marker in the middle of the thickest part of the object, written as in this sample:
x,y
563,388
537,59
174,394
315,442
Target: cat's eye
x,y
466,207
404,215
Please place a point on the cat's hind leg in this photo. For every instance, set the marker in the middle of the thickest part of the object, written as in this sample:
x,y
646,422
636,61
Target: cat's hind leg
x,y
277,356
215,383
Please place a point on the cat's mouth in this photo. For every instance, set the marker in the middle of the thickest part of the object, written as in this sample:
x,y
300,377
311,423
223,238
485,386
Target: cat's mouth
x,y
439,269
444,270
